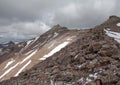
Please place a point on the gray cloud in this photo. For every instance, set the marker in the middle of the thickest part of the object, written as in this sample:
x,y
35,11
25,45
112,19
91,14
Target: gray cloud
x,y
24,19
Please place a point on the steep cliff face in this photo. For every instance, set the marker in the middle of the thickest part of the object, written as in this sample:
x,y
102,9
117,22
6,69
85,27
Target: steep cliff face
x,y
70,57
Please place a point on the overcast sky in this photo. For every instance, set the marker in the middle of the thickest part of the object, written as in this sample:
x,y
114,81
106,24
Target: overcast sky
x,y
24,19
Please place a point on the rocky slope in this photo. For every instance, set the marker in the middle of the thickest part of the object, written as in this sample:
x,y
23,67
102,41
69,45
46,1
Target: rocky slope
x,y
75,57
7,50
25,55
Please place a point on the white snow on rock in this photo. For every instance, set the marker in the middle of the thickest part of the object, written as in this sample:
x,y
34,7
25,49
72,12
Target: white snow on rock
x,y
28,42
88,79
9,63
35,40
75,56
56,49
70,38
29,56
81,80
93,75
22,68
79,66
55,34
114,35
118,24
10,69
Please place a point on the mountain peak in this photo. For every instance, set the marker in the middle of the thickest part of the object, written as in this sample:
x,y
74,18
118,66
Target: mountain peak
x,y
61,56
58,27
113,17
112,20
11,42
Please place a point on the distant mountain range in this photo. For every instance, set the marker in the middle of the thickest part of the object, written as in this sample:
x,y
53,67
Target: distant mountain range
x,y
7,44
64,57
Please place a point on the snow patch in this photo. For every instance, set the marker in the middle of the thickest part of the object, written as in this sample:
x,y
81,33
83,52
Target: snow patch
x,y
58,48
87,80
35,40
81,79
22,68
10,69
70,38
28,42
28,57
91,76
118,24
9,63
75,56
114,35
79,66
29,52
52,82
55,34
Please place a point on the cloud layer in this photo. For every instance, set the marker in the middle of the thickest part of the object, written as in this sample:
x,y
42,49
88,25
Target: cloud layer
x,y
24,19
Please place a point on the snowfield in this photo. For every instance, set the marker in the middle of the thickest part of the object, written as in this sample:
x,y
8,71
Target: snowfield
x,y
9,63
22,68
28,57
10,69
28,42
114,35
118,24
55,34
56,49
34,51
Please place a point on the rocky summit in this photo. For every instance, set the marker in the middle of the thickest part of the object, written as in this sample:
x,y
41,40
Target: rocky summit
x,y
65,57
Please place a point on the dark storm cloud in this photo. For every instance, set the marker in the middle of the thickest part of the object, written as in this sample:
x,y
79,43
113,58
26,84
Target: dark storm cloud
x,y
22,19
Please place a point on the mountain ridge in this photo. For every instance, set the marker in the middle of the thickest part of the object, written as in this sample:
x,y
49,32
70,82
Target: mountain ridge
x,y
72,57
